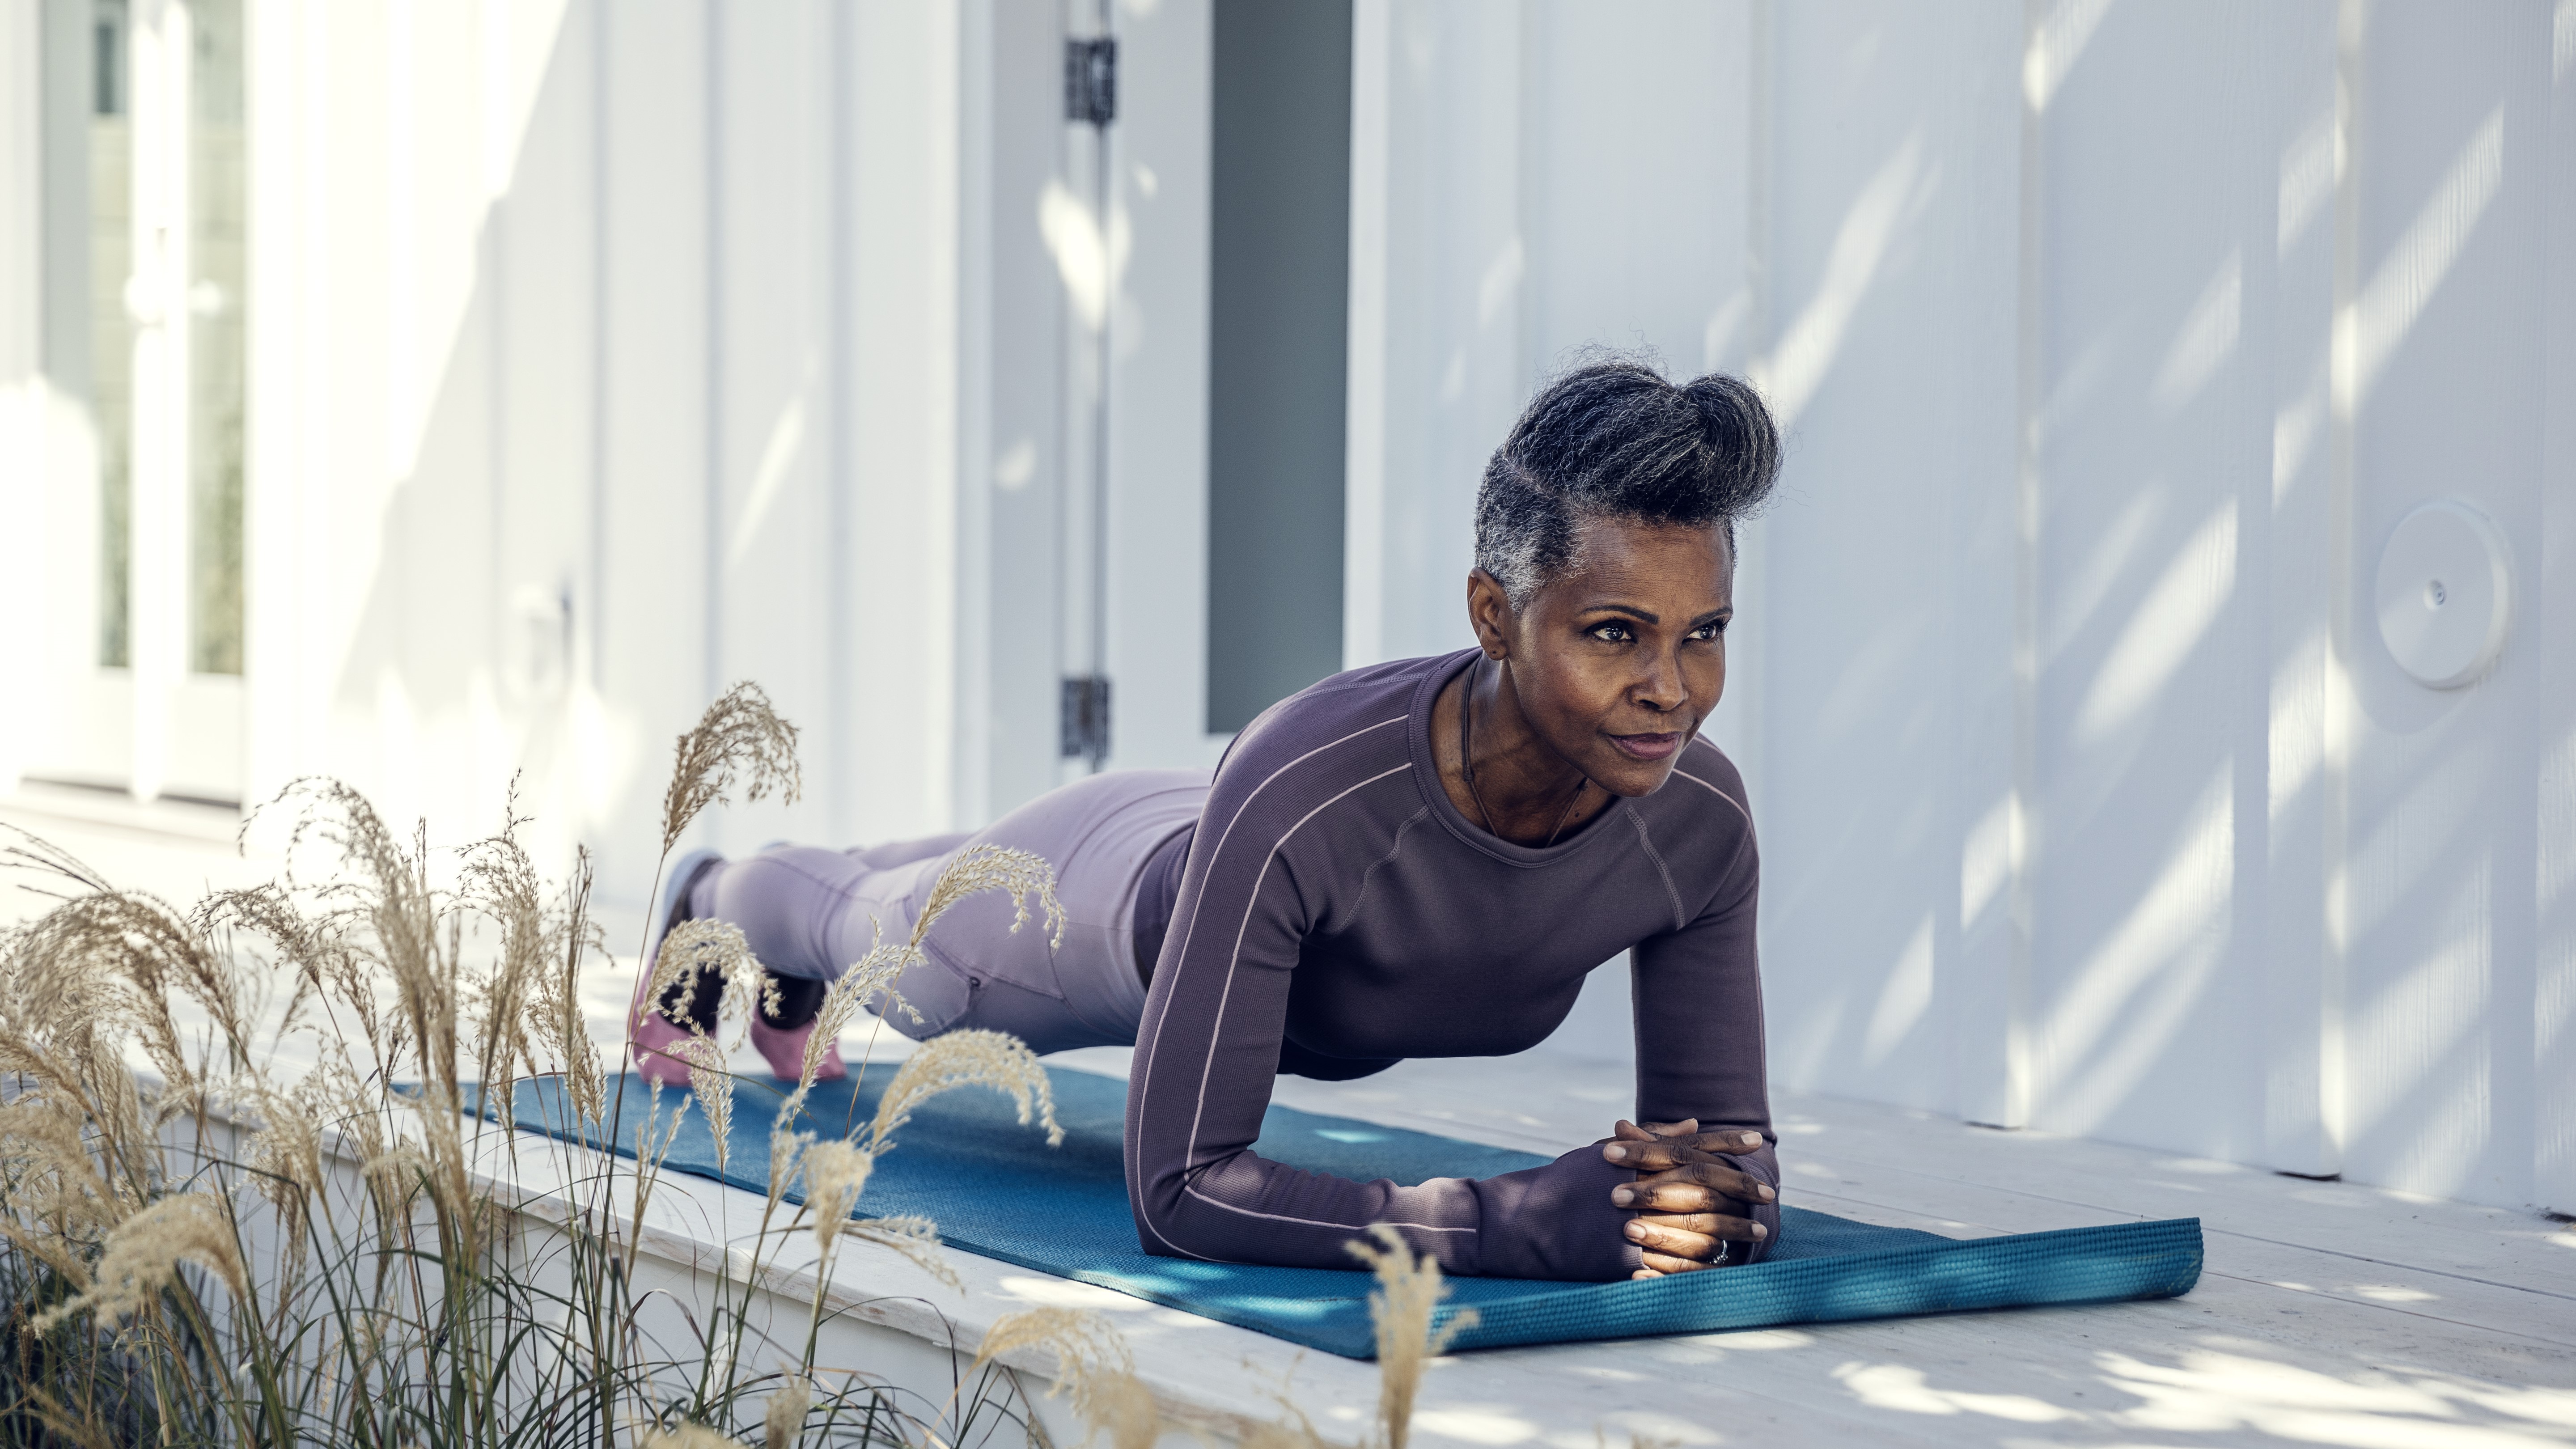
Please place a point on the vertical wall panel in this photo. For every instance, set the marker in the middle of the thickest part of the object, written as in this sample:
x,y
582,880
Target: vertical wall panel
x,y
347,702
2289,329
979,67
1009,741
1158,387
428,643
1454,353
773,546
282,96
542,247
2155,454
652,651
1886,699
2447,391
1364,372
2553,1088
1640,208
1637,133
902,396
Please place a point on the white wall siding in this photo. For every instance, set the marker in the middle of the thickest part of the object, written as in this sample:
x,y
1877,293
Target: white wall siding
x,y
24,402
2288,327
1637,132
606,355
1437,115
897,640
1010,556
657,369
1880,718
772,409
2110,342
609,354
2446,389
2153,465
603,354
1158,387
2553,1087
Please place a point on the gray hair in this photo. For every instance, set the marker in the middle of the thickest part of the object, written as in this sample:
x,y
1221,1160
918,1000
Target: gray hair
x,y
1613,439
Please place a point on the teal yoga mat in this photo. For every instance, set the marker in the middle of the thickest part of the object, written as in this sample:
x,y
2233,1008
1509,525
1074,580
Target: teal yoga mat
x,y
996,1189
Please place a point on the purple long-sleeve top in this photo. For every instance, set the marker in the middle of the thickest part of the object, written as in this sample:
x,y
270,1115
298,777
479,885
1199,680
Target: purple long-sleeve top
x,y
1337,913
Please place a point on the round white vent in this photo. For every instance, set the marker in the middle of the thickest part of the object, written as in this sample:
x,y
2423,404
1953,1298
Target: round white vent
x,y
2445,590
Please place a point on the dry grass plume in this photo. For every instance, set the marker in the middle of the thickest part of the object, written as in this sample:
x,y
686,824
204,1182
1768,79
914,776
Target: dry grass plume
x,y
255,1154
782,1420
143,1255
1408,1291
1094,1372
1024,876
968,1059
740,743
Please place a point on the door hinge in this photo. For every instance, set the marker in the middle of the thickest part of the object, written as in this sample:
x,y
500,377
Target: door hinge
x,y
1091,80
1086,718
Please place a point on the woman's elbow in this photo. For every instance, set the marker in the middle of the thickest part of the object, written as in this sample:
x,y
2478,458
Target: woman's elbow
x,y
1165,1227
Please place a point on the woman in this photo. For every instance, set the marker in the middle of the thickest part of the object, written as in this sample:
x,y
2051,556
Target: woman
x,y
1422,858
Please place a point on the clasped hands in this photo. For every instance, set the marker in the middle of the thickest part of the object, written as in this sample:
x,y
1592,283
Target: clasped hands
x,y
1696,1202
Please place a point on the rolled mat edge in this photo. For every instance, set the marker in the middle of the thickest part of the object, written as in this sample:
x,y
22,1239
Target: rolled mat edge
x,y
2067,1266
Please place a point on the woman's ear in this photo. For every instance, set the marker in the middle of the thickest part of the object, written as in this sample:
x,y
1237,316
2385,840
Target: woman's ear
x,y
1489,613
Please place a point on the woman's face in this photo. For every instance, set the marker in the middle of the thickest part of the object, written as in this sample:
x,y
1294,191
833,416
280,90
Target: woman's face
x,y
1618,660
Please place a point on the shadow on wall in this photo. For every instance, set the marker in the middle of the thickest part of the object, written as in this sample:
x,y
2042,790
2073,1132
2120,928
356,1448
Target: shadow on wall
x,y
2043,624
471,664
659,397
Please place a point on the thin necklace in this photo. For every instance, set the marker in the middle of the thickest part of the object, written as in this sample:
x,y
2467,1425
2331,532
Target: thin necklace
x,y
1467,764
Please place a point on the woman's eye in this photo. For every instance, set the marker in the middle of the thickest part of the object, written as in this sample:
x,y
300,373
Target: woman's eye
x,y
1612,633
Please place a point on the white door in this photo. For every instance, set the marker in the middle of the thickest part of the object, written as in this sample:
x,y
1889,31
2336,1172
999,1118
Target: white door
x,y
145,194
1136,497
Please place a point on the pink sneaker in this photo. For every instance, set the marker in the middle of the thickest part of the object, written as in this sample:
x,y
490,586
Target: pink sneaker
x,y
649,1033
654,1039
784,1049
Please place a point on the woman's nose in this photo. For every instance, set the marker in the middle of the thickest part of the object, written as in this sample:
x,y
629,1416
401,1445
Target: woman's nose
x,y
1662,688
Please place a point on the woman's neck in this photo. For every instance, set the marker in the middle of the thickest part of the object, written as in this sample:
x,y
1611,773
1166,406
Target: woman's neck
x,y
1498,770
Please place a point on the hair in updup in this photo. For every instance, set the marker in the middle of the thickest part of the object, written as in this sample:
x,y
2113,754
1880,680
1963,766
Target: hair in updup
x,y
1614,439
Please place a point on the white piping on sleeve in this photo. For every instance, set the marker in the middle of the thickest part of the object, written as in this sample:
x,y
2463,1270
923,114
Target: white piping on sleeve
x,y
1312,1222
1721,794
1207,1067
1681,918
1145,1076
1359,903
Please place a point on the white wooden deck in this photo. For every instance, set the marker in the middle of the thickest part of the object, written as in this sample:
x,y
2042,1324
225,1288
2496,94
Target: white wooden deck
x,y
2329,1313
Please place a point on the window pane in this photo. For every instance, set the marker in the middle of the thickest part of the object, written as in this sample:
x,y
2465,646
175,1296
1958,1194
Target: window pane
x,y
111,378
219,198
1280,239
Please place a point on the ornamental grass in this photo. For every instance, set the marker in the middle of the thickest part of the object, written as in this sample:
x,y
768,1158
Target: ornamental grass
x,y
249,1196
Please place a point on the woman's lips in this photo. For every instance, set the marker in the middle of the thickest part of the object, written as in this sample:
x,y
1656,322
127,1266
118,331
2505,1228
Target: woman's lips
x,y
1647,747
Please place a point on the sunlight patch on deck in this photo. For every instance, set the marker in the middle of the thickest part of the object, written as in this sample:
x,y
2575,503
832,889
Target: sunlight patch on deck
x,y
2216,1392
1910,1390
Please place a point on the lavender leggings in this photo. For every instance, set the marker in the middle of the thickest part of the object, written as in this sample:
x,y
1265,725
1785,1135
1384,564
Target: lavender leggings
x,y
809,912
